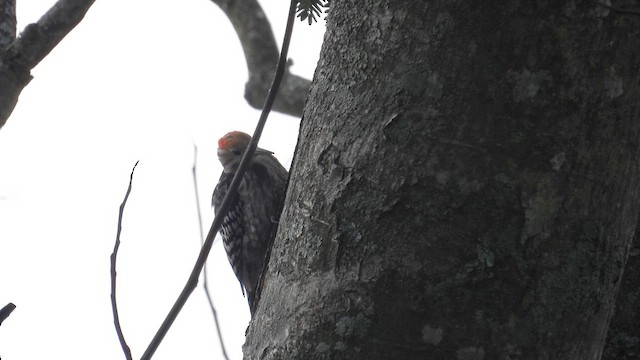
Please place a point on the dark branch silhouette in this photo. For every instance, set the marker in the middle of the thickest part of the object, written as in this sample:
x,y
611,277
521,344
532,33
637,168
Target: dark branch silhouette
x,y
114,256
6,311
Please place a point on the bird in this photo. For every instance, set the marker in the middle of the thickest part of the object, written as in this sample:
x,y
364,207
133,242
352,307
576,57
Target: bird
x,y
247,226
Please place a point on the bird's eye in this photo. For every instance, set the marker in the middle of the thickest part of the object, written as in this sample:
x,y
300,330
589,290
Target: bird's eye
x,y
236,152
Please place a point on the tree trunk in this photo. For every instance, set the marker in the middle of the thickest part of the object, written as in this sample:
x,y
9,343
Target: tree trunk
x,y
465,185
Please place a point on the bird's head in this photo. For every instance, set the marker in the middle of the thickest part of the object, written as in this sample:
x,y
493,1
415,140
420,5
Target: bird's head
x,y
232,146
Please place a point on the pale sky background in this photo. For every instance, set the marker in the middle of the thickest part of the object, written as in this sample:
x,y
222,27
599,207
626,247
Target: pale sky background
x,y
135,80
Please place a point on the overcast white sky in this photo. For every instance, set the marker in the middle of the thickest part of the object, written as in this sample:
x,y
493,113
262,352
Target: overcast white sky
x,y
136,80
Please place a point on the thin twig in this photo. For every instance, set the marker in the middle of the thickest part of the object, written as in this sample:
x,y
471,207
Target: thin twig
x,y
192,282
114,255
204,271
618,10
6,311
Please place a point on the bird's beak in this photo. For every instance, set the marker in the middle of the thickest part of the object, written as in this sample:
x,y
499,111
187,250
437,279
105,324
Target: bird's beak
x,y
261,151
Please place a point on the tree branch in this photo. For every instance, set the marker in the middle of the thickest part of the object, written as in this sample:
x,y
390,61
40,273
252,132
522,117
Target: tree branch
x,y
192,282
33,44
38,39
261,54
114,256
204,272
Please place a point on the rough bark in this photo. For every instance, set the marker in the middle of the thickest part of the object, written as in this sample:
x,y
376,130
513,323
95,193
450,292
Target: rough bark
x,y
7,22
465,185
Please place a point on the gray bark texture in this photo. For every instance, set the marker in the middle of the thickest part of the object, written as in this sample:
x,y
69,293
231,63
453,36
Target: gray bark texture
x,y
7,22
623,339
465,185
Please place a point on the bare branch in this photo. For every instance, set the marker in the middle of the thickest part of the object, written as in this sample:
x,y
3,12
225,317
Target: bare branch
x,y
114,256
6,311
7,22
192,282
206,280
35,42
38,39
261,54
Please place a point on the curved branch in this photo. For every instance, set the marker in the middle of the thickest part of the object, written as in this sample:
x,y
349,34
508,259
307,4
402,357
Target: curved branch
x,y
113,258
261,54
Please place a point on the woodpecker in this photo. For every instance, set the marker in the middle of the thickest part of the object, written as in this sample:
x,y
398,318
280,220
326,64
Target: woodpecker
x,y
246,229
